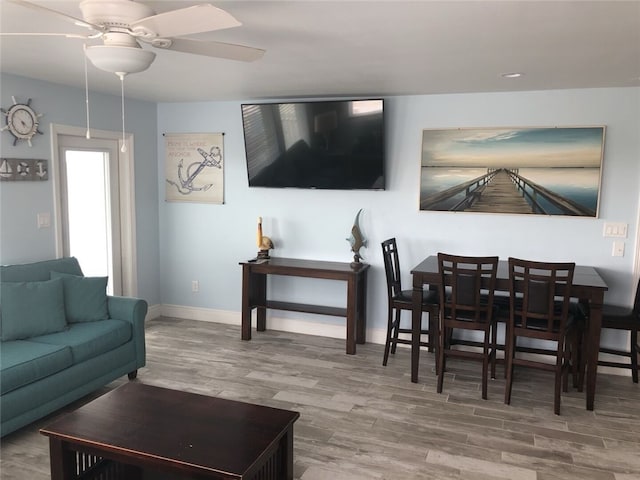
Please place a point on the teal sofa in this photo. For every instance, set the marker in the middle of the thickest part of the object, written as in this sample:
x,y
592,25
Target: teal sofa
x,y
62,338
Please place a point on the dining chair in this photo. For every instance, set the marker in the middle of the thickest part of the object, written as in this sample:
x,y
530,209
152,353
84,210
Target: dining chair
x,y
466,302
623,318
540,308
399,300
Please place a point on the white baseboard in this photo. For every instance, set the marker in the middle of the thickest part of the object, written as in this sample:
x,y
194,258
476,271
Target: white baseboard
x,y
294,325
154,311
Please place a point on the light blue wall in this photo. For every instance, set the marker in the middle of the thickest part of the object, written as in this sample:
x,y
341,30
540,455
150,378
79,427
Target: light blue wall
x,y
206,242
20,239
181,242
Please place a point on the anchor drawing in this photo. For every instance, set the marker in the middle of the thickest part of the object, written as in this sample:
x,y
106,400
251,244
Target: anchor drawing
x,y
213,158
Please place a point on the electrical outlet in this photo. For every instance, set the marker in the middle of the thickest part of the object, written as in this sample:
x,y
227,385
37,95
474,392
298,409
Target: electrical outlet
x,y
195,286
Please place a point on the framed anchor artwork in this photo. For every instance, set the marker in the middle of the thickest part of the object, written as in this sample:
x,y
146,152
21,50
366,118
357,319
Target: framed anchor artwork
x,y
23,169
194,168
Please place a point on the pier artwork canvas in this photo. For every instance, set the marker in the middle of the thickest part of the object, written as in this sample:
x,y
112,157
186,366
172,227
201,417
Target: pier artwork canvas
x,y
538,170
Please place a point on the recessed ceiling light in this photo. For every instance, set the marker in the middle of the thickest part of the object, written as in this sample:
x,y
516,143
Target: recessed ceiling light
x,y
512,75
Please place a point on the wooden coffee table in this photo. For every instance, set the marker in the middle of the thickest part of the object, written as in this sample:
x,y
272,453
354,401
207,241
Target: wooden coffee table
x,y
139,428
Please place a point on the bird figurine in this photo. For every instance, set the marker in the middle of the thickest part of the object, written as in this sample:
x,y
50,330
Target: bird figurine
x,y
356,240
264,243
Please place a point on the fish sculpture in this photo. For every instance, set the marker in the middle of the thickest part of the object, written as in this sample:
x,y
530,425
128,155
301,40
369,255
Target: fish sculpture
x,y
356,240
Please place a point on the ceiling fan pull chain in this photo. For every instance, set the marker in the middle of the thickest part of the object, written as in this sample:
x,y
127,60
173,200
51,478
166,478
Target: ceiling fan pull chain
x,y
86,90
123,149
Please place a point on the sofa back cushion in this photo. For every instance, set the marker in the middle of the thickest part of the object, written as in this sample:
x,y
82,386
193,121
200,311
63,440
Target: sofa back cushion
x,y
30,309
85,298
39,271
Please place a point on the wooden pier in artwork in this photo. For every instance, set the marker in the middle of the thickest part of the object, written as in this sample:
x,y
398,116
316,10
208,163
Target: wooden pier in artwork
x,y
502,191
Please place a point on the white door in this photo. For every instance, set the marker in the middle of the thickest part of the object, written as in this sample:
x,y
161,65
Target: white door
x,y
94,224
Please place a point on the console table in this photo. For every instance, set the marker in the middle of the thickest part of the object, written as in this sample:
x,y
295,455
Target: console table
x,y
254,293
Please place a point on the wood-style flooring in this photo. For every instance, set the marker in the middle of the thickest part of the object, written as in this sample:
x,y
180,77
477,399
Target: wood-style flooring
x,y
360,420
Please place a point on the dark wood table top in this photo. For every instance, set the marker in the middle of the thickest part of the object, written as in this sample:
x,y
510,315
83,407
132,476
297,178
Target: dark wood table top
x,y
170,427
584,276
302,264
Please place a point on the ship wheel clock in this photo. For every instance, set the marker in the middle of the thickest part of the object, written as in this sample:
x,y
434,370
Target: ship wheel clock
x,y
22,121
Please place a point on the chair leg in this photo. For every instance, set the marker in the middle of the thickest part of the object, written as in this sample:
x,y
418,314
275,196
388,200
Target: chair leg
x,y
582,361
485,363
438,339
566,363
507,336
634,355
575,357
396,327
560,357
387,344
441,359
508,368
494,345
433,330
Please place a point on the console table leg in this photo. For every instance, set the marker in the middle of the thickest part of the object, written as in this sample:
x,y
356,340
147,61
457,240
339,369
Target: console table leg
x,y
260,292
352,304
361,305
246,302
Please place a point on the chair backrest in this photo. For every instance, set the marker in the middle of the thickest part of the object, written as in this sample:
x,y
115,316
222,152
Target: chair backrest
x,y
540,294
636,303
468,285
391,267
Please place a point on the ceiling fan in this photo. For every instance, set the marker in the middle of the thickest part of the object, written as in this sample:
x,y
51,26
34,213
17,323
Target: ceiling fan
x,y
123,25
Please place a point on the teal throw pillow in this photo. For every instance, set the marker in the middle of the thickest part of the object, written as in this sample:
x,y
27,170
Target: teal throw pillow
x,y
85,298
30,309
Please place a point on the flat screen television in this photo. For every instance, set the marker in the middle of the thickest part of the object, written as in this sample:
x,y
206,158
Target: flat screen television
x,y
321,144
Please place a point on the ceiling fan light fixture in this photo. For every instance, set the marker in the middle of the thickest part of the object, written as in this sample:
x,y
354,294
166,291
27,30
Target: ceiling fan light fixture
x,y
120,59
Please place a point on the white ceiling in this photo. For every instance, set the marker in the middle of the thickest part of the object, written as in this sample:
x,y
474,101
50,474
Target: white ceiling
x,y
358,48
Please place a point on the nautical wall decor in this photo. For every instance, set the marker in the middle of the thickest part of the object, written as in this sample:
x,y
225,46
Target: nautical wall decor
x,y
22,121
23,169
194,169
538,170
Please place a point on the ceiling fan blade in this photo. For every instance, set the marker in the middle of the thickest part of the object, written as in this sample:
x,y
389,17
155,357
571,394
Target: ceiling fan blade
x,y
40,34
214,49
185,21
68,18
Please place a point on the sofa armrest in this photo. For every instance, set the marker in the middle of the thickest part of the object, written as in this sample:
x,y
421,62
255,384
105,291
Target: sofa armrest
x,y
131,310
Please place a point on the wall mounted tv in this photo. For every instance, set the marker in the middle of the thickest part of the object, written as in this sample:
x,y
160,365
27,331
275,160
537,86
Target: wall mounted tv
x,y
321,144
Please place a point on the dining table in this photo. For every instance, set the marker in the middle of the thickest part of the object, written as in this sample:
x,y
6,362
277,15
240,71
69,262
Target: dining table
x,y
588,287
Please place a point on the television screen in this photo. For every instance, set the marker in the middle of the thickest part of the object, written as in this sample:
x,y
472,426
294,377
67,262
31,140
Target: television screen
x,y
328,144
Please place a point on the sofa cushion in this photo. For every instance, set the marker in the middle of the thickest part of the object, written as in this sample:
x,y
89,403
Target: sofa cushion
x,y
39,271
25,362
31,308
85,298
90,339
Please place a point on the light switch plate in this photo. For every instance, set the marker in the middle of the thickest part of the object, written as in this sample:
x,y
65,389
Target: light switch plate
x,y
44,220
615,230
618,249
